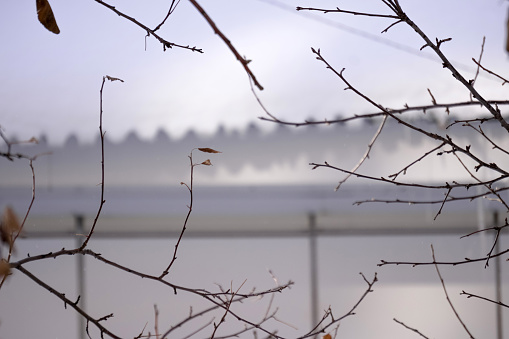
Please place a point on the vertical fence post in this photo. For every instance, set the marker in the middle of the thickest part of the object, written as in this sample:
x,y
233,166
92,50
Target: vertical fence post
x,y
79,221
498,281
313,263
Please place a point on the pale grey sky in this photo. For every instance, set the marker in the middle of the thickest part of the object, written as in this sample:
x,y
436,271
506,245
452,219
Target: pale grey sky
x,y
50,83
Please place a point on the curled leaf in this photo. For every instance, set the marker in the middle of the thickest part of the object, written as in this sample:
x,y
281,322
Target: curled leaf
x,y
46,16
327,336
113,78
208,150
207,163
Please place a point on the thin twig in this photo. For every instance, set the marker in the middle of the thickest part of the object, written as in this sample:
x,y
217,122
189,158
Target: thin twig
x,y
433,101
406,109
189,211
13,240
417,185
173,6
488,187
71,303
228,304
410,328
366,155
338,10
405,169
447,64
447,295
470,295
443,203
156,321
496,228
430,202
101,133
446,263
478,65
317,329
165,43
483,134
491,72
430,135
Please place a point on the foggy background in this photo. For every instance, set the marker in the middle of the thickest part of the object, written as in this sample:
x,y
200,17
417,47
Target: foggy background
x,y
254,205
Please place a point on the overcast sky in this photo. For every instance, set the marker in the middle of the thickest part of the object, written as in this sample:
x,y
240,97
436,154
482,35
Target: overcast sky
x,y
50,83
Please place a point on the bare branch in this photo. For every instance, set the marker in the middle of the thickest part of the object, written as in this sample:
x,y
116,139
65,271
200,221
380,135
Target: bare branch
x,y
66,301
432,98
173,6
490,72
443,203
190,207
406,109
338,10
481,132
447,64
101,133
242,60
447,295
405,169
470,295
447,263
366,155
165,43
500,199
430,202
410,328
478,64
317,329
399,183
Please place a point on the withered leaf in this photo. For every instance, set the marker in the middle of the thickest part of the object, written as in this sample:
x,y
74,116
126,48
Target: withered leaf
x,y
46,16
10,220
208,150
207,163
114,79
327,336
5,268
9,225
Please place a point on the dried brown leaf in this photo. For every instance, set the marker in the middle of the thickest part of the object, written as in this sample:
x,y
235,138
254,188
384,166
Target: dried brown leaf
x,y
5,268
207,163
208,150
46,16
114,79
10,220
327,336
9,225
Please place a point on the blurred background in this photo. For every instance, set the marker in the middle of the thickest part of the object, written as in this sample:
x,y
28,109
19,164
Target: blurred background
x,y
260,213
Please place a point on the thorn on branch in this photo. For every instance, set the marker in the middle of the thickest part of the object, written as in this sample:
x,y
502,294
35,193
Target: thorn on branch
x,y
432,97
440,42
106,317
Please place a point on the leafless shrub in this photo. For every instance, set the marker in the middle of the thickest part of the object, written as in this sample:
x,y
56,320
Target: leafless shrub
x,y
491,185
